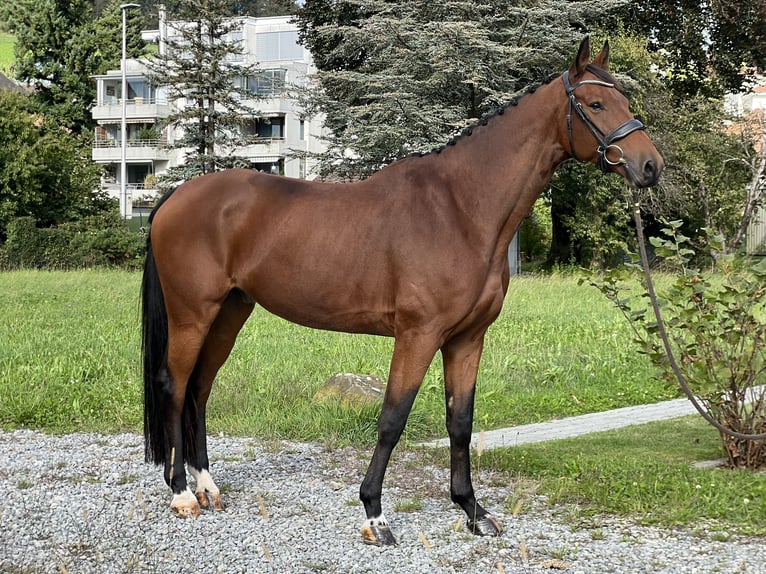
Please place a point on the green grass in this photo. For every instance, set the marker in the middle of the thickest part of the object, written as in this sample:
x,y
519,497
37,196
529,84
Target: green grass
x,y
6,52
645,471
70,360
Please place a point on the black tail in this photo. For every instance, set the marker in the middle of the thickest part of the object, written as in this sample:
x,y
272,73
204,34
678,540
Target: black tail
x,y
154,348
158,385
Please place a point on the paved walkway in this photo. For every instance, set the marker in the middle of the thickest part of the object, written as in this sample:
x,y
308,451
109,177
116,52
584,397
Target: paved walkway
x,y
579,425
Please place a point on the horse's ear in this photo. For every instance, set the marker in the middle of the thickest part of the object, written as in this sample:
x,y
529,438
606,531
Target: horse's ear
x,y
602,60
582,59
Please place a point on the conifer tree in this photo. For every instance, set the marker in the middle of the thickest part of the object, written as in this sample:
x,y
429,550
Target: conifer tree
x,y
402,77
205,74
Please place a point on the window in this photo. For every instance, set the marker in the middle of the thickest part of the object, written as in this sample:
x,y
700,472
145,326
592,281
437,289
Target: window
x,y
136,88
265,128
235,38
267,83
272,128
271,46
302,130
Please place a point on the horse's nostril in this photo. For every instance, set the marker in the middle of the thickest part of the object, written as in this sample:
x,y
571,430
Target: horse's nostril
x,y
650,170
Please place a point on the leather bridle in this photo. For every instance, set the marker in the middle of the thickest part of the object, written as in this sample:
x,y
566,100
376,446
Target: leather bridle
x,y
605,142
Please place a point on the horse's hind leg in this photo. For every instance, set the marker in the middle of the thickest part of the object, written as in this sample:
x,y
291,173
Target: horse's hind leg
x,y
184,343
216,349
461,362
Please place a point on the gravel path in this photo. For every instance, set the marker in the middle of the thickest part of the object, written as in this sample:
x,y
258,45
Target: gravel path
x,y
87,503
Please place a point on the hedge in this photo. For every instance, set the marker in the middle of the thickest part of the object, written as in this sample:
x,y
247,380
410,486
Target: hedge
x,y
90,243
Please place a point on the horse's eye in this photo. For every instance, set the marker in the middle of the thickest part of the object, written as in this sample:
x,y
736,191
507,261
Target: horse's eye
x,y
596,106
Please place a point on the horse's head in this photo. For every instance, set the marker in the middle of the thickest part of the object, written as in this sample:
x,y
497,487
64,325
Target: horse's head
x,y
600,127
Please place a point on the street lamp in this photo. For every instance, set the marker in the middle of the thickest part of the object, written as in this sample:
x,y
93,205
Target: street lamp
x,y
126,206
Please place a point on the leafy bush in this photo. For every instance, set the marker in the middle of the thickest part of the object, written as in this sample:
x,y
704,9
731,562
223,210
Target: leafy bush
x,y
97,241
716,323
535,233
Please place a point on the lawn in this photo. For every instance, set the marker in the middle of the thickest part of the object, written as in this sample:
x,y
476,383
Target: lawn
x,y
6,52
647,472
70,360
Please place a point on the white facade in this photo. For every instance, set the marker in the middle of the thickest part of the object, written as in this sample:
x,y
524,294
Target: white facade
x,y
280,126
741,105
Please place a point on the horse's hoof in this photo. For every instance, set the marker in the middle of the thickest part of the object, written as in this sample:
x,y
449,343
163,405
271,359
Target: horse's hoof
x,y
378,536
485,526
217,502
186,511
205,498
185,505
376,531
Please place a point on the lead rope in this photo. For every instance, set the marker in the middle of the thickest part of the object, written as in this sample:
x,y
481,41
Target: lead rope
x,y
664,336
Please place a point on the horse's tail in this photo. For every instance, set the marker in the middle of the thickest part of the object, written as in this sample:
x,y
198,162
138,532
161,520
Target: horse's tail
x,y
154,348
158,386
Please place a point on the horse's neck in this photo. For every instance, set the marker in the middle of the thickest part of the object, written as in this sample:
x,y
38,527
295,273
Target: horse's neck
x,y
503,167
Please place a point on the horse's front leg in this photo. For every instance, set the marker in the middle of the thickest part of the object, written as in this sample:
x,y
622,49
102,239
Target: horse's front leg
x,y
461,363
409,363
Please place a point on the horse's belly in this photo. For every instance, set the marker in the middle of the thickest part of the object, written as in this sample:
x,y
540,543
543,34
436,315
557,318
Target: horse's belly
x,y
332,306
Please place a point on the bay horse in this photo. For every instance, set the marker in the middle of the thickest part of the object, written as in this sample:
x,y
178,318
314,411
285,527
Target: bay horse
x,y
418,252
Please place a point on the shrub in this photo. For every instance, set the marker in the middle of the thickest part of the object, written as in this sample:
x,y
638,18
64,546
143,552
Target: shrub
x,y
96,241
535,233
716,323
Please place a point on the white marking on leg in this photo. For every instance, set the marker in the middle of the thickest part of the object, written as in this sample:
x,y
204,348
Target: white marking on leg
x,y
183,497
204,481
375,521
185,504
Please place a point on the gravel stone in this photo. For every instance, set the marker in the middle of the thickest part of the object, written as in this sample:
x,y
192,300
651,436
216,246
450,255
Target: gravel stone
x,y
87,503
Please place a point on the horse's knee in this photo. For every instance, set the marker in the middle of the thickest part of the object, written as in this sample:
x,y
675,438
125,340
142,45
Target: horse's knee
x,y
390,428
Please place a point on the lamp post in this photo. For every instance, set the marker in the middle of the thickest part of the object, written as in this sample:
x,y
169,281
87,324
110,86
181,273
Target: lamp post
x,y
126,206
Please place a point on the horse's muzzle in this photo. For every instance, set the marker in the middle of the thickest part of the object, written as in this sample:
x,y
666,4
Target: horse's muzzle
x,y
651,172
644,172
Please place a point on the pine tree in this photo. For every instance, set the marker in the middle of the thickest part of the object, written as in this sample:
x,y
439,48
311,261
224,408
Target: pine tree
x,y
403,77
203,67
263,8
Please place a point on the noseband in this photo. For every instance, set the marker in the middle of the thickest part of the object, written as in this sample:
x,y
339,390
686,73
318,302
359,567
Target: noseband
x,y
605,142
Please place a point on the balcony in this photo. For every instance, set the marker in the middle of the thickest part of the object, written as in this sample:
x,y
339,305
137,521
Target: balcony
x,y
110,151
264,146
110,109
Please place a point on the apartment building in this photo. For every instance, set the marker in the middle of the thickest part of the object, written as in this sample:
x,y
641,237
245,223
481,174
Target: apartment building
x,y
281,129
750,106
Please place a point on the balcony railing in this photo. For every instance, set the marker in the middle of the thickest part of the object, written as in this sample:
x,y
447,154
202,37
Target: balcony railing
x,y
110,108
137,101
112,143
107,150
